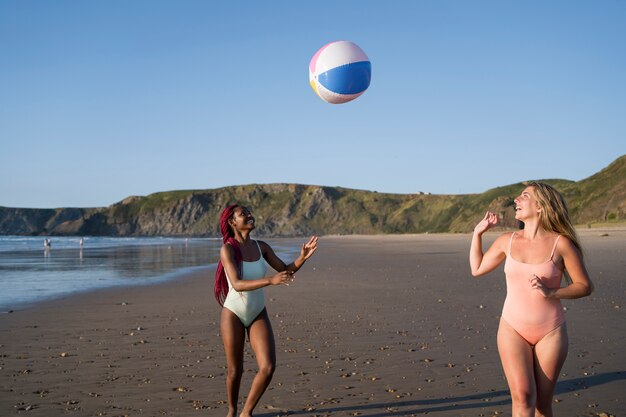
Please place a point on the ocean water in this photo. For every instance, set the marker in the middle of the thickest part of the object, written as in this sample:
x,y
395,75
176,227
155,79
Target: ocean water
x,y
30,273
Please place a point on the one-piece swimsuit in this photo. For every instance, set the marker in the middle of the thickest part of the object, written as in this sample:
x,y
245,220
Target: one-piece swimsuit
x,y
247,305
525,309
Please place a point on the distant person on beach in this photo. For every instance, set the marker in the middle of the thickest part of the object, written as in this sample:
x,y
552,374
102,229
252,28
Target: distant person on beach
x,y
532,336
239,282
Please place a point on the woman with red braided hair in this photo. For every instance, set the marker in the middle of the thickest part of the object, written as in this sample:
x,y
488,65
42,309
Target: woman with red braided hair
x,y
239,282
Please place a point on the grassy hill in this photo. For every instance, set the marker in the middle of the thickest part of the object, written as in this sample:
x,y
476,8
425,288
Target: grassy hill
x,y
295,209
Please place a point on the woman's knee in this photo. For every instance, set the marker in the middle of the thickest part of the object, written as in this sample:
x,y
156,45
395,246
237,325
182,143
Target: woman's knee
x,y
234,372
267,369
523,398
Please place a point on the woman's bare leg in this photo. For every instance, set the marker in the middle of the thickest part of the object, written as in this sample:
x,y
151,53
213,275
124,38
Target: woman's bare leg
x,y
550,354
518,363
262,342
233,337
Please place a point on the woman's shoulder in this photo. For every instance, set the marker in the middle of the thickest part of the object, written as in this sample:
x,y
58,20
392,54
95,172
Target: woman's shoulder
x,y
502,241
562,238
506,237
262,244
563,243
227,247
266,249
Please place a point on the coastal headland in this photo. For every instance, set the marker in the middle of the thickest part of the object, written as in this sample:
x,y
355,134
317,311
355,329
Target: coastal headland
x,y
285,210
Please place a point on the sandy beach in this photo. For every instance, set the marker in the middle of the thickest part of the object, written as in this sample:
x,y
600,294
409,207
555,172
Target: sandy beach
x,y
373,326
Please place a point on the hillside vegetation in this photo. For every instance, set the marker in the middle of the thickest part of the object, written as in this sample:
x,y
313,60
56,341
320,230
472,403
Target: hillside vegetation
x,y
296,210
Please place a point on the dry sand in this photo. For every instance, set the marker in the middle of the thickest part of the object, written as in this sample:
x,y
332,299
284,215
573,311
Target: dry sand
x,y
374,326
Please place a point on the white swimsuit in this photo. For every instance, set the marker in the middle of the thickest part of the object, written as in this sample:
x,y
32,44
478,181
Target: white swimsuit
x,y
247,305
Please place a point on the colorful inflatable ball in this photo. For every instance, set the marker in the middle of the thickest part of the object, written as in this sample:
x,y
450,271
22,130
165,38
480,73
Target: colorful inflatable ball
x,y
340,72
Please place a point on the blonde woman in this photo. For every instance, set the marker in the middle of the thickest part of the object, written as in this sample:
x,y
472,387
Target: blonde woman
x,y
532,335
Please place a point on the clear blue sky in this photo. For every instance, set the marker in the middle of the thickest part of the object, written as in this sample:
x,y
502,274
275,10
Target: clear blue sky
x,y
100,100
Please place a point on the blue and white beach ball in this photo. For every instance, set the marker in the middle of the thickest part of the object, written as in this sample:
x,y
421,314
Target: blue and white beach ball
x,y
340,72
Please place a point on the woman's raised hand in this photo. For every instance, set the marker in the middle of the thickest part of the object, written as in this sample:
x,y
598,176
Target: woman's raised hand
x,y
308,248
490,220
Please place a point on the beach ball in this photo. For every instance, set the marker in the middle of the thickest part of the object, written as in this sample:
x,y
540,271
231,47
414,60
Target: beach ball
x,y
340,72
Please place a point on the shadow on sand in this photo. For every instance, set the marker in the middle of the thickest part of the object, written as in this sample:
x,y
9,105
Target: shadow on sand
x,y
488,399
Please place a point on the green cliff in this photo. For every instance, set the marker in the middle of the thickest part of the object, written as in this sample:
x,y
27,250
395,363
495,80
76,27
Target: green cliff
x,y
296,210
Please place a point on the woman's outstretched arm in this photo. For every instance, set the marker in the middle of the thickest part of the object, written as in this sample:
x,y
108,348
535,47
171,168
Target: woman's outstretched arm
x,y
306,251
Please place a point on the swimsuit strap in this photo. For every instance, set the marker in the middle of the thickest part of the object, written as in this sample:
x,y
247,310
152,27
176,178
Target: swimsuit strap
x,y
260,251
511,243
554,247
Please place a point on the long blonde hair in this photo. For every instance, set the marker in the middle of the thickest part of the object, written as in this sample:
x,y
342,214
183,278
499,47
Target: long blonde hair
x,y
554,215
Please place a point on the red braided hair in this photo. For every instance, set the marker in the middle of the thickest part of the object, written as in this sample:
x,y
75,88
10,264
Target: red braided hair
x,y
221,282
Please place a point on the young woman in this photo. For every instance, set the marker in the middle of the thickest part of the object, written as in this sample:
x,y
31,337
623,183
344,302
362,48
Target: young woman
x,y
532,336
239,282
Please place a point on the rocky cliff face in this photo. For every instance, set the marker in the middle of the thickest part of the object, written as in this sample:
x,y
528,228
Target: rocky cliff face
x,y
296,210
16,221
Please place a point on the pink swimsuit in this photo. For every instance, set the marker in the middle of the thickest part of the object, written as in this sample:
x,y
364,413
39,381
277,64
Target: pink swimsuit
x,y
525,309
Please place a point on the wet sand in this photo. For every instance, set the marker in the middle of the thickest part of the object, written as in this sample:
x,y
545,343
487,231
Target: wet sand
x,y
374,326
